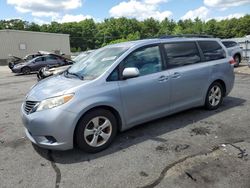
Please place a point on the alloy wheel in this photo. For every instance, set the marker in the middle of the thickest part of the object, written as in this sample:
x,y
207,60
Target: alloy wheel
x,y
98,131
215,95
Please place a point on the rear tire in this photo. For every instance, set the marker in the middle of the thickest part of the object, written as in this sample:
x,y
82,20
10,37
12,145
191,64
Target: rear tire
x,y
96,130
26,70
237,60
214,96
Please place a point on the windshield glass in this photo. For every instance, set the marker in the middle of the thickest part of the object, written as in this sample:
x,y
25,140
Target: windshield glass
x,y
97,62
80,56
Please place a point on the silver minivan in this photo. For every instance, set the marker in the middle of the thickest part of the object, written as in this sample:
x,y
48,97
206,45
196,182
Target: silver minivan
x,y
123,85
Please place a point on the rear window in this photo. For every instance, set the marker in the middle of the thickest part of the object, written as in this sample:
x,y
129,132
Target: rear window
x,y
212,50
180,54
229,44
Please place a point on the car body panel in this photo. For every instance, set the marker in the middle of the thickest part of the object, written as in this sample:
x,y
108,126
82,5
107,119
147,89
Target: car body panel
x,y
187,89
57,85
145,87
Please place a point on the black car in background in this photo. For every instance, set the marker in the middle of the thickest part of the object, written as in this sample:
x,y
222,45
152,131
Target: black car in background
x,y
42,61
13,60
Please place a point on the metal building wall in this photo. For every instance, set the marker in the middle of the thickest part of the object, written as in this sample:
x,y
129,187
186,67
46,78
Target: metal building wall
x,y
10,41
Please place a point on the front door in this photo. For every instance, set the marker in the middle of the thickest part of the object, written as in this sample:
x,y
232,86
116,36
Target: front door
x,y
145,97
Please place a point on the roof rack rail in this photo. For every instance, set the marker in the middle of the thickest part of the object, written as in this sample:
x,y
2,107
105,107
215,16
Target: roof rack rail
x,y
186,36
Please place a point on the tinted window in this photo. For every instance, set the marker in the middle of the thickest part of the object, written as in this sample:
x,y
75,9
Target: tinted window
x,y
29,57
147,60
114,76
212,50
229,44
51,58
39,59
179,54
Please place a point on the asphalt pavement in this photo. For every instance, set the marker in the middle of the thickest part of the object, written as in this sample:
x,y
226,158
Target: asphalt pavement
x,y
194,148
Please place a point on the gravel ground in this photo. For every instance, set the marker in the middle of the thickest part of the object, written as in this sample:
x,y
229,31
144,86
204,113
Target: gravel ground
x,y
194,148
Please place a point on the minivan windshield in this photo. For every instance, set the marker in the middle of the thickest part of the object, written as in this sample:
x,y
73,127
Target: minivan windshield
x,y
96,63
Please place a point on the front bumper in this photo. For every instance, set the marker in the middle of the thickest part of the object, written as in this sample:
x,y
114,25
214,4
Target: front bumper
x,y
54,123
16,70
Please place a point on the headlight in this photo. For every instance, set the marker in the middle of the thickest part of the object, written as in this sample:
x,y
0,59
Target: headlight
x,y
54,102
47,73
18,65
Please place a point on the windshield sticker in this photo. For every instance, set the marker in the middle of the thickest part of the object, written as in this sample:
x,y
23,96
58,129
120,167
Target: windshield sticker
x,y
109,58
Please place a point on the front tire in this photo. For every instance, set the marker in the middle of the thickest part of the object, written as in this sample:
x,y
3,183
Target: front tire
x,y
214,96
26,70
96,130
11,65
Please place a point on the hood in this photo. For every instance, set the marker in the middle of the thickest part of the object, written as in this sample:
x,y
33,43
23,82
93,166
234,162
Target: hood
x,y
21,64
15,58
53,86
59,69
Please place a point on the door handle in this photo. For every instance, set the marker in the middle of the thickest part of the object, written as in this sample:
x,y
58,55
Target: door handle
x,y
176,75
163,78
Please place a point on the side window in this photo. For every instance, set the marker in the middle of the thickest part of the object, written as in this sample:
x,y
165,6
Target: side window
x,y
29,57
39,59
229,44
181,53
212,50
51,58
233,44
226,44
114,76
147,60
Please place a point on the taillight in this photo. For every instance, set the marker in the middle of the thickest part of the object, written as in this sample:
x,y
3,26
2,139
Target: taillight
x,y
232,61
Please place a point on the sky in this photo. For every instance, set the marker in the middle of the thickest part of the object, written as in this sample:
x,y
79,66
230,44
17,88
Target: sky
x,y
45,11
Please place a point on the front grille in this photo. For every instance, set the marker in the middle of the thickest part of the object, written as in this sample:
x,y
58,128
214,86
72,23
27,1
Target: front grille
x,y
29,105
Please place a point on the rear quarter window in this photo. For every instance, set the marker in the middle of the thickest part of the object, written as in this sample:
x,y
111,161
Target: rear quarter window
x,y
212,50
229,44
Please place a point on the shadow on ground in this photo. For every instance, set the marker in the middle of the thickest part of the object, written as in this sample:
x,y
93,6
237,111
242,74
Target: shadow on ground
x,y
151,130
21,74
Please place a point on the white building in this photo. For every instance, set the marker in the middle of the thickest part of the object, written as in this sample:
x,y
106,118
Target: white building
x,y
20,43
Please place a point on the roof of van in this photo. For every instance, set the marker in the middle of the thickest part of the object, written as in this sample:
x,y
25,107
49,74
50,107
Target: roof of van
x,y
158,40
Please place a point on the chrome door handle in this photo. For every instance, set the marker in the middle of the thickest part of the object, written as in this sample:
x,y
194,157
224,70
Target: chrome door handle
x,y
176,75
163,78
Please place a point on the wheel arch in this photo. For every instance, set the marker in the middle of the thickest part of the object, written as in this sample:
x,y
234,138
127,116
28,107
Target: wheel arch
x,y
106,107
222,84
25,67
237,54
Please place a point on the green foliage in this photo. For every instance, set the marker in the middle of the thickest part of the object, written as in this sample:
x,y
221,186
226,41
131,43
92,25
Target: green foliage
x,y
88,34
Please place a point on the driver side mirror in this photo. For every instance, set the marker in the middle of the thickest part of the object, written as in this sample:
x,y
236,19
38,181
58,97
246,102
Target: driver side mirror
x,y
130,72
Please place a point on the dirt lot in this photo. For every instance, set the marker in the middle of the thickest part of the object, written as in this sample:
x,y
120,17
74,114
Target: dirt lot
x,y
195,148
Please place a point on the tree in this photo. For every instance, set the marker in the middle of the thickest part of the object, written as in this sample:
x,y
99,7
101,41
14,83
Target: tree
x,y
167,27
87,34
33,27
150,28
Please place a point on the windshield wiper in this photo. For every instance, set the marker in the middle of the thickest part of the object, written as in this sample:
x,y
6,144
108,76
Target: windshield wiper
x,y
74,74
